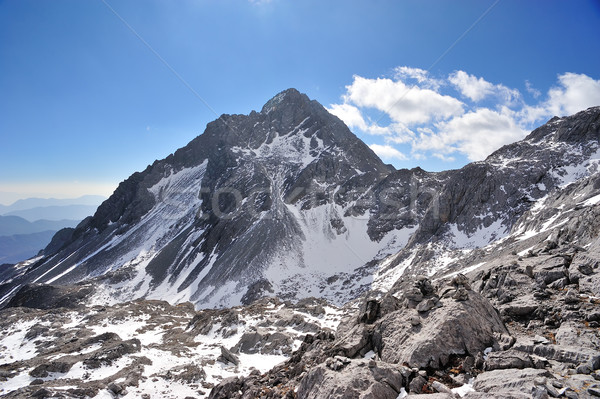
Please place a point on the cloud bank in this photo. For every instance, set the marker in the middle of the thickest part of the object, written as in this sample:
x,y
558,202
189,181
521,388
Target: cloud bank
x,y
417,116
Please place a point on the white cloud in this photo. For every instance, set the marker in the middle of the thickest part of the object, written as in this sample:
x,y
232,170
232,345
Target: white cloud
x,y
419,74
574,93
421,119
403,104
470,86
353,118
351,115
475,134
477,89
443,157
388,152
422,77
532,90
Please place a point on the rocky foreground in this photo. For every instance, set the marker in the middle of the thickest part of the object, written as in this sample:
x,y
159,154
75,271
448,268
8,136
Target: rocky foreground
x,y
449,341
525,326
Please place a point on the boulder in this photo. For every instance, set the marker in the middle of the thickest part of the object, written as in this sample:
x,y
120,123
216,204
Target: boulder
x,y
360,379
457,328
264,342
56,366
109,353
228,357
356,341
561,353
510,359
509,381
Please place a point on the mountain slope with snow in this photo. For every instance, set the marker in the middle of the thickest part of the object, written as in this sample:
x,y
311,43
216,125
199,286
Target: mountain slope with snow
x,y
288,202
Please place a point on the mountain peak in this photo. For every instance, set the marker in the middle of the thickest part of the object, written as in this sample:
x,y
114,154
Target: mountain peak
x,y
287,97
577,128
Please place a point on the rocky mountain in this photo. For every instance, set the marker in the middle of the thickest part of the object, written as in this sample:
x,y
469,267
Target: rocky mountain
x,y
358,280
256,203
288,202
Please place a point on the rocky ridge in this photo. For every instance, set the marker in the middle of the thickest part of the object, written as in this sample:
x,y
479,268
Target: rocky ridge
x,y
484,290
288,202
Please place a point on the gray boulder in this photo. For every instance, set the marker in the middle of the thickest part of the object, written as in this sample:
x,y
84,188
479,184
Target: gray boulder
x,y
509,381
463,327
509,359
360,379
228,357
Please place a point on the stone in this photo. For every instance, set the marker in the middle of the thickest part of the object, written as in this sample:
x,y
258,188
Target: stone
x,y
382,381
370,312
561,353
569,393
358,340
441,388
468,363
529,270
508,380
229,388
424,285
427,304
114,388
595,391
538,339
41,393
460,280
264,342
413,296
539,392
542,380
43,370
572,297
510,359
461,294
228,357
417,384
552,391
456,328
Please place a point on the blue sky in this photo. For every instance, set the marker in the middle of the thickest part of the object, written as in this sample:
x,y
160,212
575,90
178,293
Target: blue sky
x,y
84,102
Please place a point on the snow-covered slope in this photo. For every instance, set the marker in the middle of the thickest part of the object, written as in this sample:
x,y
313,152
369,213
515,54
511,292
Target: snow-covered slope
x,y
288,202
149,346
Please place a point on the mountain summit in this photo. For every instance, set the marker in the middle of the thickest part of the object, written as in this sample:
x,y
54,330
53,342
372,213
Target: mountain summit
x,y
255,203
288,202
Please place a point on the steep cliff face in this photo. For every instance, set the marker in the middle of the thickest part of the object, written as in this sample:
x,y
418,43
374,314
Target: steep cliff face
x,y
288,202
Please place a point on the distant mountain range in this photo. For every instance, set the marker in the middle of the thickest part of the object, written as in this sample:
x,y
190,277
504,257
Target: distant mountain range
x,y
28,225
34,209
18,247
12,225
